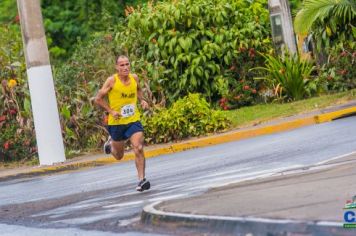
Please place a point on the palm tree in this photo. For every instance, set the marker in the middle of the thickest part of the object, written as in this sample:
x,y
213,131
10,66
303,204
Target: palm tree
x,y
329,22
316,12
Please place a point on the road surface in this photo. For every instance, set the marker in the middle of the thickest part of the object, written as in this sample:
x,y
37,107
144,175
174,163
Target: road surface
x,y
103,200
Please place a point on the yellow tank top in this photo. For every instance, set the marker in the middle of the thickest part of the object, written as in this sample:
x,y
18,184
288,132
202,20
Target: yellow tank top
x,y
123,99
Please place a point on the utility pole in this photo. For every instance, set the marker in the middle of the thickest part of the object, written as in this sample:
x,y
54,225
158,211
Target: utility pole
x,y
40,80
282,25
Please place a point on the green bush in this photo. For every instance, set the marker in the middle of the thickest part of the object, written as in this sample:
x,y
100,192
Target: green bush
x,y
77,82
188,117
289,76
92,60
329,22
8,9
196,46
340,70
17,139
66,21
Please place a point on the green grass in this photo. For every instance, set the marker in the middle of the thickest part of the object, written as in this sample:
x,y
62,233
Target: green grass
x,y
260,113
17,164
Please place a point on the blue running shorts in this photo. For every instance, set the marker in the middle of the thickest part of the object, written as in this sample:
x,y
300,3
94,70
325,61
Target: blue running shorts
x,y
123,132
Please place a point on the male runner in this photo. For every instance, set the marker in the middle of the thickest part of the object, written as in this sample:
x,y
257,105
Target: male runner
x,y
122,90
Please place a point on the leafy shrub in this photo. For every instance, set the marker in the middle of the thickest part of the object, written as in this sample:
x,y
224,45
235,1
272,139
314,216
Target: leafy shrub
x,y
8,9
77,82
189,116
17,139
67,21
289,75
330,22
92,60
341,68
190,46
244,88
243,94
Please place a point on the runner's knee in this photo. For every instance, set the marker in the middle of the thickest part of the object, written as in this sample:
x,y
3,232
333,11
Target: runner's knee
x,y
137,148
117,154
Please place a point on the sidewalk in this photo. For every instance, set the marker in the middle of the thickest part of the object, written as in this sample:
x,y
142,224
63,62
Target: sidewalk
x,y
303,202
277,125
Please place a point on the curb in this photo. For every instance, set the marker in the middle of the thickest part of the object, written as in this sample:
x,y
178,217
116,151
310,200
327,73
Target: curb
x,y
239,225
186,145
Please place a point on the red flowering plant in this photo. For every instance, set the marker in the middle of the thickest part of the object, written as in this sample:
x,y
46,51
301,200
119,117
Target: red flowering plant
x,y
339,71
16,143
243,88
17,140
243,94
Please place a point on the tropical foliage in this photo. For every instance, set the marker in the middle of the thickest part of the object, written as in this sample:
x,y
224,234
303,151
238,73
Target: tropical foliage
x,y
202,46
17,132
330,21
339,71
294,6
289,76
179,49
188,117
77,82
332,25
67,21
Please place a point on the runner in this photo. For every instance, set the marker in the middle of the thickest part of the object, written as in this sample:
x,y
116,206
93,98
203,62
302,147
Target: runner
x,y
122,91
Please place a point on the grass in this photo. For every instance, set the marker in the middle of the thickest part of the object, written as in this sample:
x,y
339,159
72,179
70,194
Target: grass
x,y
17,164
259,113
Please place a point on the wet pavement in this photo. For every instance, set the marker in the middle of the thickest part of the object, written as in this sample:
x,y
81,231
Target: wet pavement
x,y
262,183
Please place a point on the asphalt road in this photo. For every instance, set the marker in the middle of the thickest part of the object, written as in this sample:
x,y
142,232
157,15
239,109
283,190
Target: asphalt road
x,y
103,200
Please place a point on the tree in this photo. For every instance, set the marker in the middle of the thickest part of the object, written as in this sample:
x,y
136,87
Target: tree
x,y
67,21
8,11
327,18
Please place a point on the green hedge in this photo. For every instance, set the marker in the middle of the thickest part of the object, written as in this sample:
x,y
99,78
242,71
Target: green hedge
x,y
203,46
17,139
188,117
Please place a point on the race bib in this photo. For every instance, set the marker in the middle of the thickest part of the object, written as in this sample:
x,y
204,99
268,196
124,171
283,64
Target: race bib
x,y
128,110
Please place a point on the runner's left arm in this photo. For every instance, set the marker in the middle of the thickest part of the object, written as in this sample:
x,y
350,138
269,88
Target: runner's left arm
x,y
143,103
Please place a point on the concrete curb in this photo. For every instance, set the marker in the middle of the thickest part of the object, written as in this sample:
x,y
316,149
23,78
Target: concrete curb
x,y
196,143
239,225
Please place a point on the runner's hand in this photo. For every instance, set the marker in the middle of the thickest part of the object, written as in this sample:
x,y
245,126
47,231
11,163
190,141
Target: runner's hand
x,y
144,105
115,114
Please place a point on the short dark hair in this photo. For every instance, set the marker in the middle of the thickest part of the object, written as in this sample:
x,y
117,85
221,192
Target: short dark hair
x,y
121,57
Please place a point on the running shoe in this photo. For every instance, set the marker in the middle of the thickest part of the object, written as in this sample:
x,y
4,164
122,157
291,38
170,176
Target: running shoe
x,y
143,185
107,146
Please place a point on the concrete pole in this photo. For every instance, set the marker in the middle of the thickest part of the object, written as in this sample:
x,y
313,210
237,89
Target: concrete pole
x,y
43,99
279,10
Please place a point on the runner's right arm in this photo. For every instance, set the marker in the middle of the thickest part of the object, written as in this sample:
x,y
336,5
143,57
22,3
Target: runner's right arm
x,y
103,92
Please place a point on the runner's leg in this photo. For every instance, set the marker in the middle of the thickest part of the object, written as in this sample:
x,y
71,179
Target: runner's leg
x,y
137,140
117,149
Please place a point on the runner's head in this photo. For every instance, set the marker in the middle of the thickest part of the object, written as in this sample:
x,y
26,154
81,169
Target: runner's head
x,y
123,66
